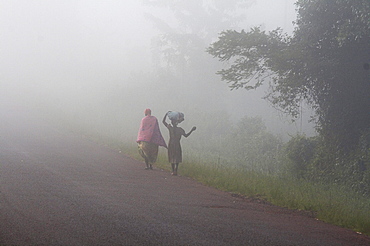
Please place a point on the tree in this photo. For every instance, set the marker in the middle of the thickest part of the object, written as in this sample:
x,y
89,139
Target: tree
x,y
193,25
324,62
252,145
186,29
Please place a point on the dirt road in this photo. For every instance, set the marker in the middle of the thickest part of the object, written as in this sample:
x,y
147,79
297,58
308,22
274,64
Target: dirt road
x,y
58,188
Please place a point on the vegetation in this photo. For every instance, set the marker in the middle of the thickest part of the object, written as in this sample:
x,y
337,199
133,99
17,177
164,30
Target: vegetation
x,y
277,172
324,62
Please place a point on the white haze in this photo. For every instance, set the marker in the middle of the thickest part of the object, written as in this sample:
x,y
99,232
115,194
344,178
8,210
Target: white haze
x,y
92,61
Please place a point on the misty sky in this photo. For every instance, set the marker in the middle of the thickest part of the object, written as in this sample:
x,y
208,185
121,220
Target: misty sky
x,y
69,52
50,43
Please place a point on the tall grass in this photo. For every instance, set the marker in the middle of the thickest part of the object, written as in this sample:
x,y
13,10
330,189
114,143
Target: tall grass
x,y
331,203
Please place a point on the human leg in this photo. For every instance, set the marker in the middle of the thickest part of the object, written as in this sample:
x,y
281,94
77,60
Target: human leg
x,y
174,168
149,152
141,152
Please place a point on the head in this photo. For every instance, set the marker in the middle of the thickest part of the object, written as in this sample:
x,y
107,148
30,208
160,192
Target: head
x,y
147,112
174,122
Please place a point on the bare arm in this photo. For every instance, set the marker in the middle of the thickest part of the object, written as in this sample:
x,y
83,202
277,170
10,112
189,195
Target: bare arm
x,y
164,120
188,134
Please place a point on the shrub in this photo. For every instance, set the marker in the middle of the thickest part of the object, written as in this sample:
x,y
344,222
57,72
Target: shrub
x,y
300,152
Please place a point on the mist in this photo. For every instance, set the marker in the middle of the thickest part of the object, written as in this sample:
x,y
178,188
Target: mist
x,y
93,64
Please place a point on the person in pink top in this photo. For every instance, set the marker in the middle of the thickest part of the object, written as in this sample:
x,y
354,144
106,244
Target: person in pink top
x,y
149,139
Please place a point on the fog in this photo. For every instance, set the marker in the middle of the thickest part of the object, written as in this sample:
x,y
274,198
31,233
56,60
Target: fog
x,y
95,64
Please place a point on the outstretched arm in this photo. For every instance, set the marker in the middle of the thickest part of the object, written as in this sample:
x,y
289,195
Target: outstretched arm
x,y
188,134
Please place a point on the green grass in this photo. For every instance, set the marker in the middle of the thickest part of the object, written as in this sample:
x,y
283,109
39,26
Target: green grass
x,y
334,204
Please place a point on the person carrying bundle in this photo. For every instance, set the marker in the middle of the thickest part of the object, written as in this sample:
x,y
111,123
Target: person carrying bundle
x,y
174,146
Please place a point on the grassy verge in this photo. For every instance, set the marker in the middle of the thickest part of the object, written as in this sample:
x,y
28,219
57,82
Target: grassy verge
x,y
334,204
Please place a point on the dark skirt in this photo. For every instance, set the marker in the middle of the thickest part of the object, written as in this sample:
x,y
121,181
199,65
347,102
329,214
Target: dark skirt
x,y
174,152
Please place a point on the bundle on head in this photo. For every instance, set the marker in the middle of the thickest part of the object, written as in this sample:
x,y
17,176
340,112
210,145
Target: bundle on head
x,y
176,117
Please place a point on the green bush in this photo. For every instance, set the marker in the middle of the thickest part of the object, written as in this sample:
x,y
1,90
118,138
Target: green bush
x,y
300,152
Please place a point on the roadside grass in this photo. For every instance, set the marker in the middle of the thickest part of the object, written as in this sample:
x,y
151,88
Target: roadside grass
x,y
331,203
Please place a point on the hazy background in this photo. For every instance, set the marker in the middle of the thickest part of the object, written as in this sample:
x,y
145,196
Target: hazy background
x,y
95,64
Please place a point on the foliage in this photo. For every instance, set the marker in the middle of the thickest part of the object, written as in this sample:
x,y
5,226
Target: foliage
x,y
185,30
308,158
300,151
352,170
324,63
246,143
252,146
193,24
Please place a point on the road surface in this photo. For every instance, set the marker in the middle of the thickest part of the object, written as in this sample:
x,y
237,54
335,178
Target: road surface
x,y
60,188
